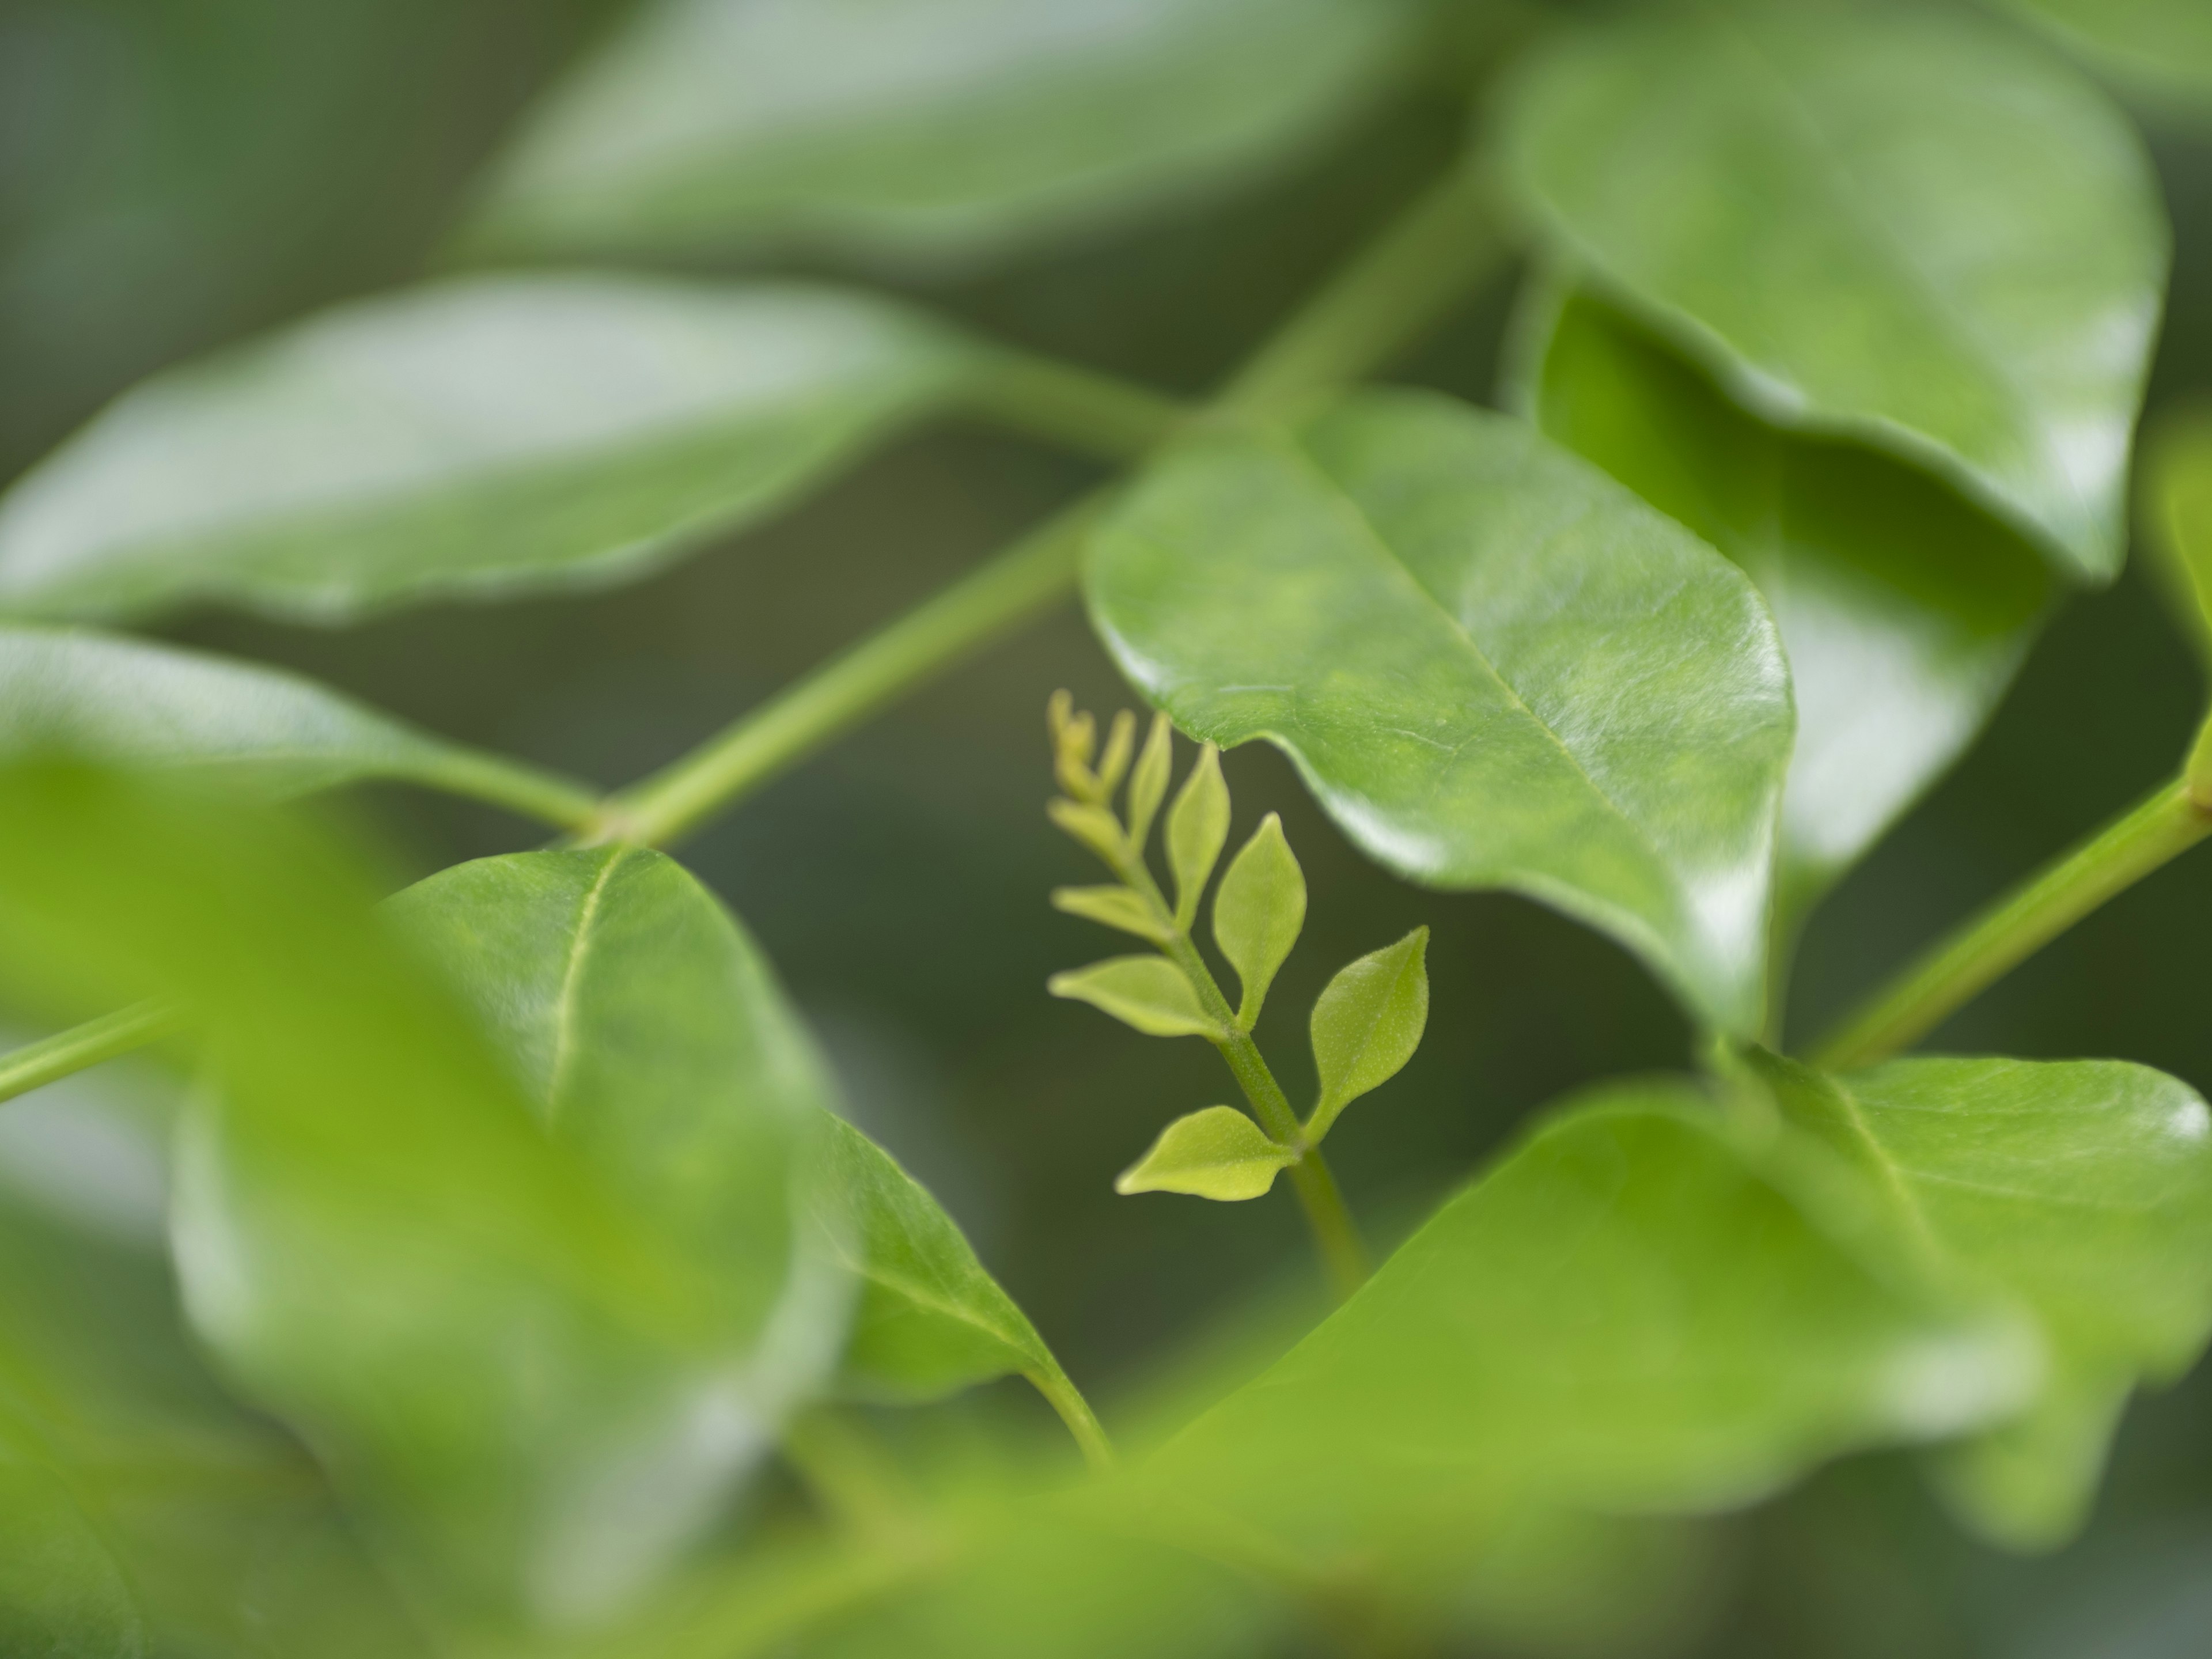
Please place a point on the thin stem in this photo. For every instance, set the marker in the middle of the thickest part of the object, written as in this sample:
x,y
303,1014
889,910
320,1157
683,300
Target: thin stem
x,y
548,796
988,602
1426,261
848,1474
2018,924
1064,1397
1113,419
52,1059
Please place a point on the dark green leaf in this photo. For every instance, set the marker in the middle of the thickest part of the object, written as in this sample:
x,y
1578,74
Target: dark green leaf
x,y
476,437
1368,1023
1217,1153
1903,611
104,697
1258,913
1147,993
1897,224
1494,666
938,131
2083,1191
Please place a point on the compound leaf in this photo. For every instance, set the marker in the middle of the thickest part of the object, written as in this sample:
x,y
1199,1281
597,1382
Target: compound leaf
x,y
475,437
1217,1153
1494,666
1905,612
1147,993
938,131
1897,224
107,698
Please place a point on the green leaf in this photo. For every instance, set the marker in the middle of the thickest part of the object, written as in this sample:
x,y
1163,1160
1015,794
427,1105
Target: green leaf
x,y
531,1399
1217,1153
1111,907
1895,224
1629,1312
2081,1191
1148,781
1368,1023
931,1319
473,438
2178,516
106,697
2160,48
1905,613
938,131
1197,828
62,1595
1494,666
1148,993
1258,913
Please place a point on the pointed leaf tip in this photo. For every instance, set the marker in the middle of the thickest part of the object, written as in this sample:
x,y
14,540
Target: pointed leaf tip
x,y
1197,828
1219,1153
1148,781
1368,1023
1259,912
1147,993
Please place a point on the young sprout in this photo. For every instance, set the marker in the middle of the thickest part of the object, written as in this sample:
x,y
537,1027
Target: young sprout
x,y
1365,1027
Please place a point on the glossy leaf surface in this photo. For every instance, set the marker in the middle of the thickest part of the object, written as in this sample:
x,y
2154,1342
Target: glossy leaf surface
x,y
1905,612
1627,1312
1217,1153
2160,47
475,437
106,697
1258,913
1367,1024
1495,666
1897,224
2083,1191
1149,993
942,131
519,1387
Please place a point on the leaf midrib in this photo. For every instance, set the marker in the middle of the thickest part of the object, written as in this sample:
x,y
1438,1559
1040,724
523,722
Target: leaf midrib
x,y
572,974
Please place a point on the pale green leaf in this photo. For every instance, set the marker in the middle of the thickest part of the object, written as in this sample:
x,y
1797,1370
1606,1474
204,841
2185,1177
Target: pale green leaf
x,y
1897,224
2161,48
1148,782
1258,913
1090,825
1367,1024
1111,907
1494,666
1905,612
1197,828
476,437
2082,1192
106,697
1148,993
1217,1153
944,132
1626,1313
506,1371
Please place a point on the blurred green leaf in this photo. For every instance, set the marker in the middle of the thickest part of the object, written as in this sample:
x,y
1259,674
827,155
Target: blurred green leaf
x,y
2160,47
1893,223
1217,1153
529,1397
2082,1190
1197,828
1147,993
1111,907
2177,497
1628,1312
62,1595
106,697
1258,913
476,437
1367,1024
1494,666
943,133
1905,613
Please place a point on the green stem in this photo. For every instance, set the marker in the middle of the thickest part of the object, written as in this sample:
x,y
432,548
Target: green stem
x,y
49,1060
2169,823
848,1475
1074,1410
547,797
988,601
1427,260
1096,413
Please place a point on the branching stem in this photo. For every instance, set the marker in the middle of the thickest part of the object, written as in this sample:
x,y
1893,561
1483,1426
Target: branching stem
x,y
2171,822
